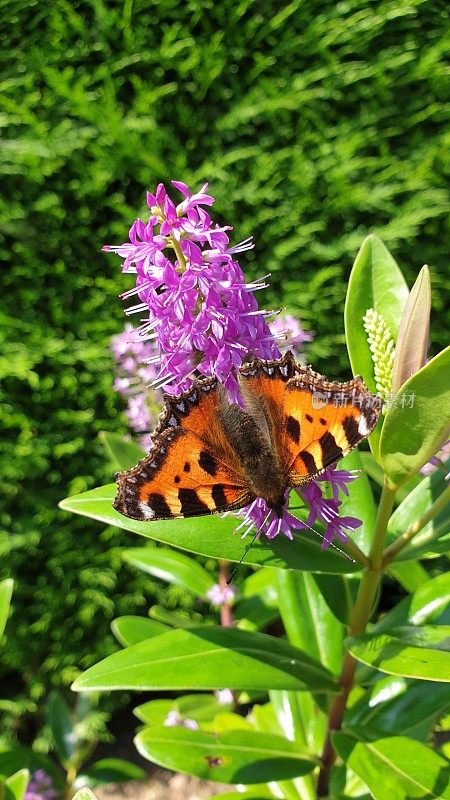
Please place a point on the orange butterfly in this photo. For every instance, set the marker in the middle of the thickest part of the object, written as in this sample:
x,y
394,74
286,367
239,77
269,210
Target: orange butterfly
x,y
210,456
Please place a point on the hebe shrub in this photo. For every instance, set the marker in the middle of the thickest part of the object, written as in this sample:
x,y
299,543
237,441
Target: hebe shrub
x,y
315,124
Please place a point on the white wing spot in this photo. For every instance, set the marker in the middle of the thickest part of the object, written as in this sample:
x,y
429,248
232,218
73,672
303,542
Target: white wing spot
x,y
363,429
146,511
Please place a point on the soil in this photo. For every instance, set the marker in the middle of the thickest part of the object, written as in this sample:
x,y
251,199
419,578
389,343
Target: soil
x,y
162,785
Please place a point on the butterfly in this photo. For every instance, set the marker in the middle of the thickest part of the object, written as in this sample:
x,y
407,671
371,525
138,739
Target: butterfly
x,y
211,456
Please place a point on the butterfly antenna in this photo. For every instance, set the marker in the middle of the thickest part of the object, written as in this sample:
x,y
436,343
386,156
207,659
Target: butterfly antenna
x,y
254,537
335,547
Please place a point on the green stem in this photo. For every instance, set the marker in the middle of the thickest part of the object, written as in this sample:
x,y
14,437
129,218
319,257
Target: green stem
x,y
416,527
359,618
178,252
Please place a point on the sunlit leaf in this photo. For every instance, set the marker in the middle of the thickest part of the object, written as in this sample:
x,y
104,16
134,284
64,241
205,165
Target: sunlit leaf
x,y
208,658
124,452
131,630
230,757
171,566
408,651
396,768
418,424
214,537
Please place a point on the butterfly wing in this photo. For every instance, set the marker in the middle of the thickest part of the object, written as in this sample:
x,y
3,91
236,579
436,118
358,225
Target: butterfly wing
x,y
311,422
192,469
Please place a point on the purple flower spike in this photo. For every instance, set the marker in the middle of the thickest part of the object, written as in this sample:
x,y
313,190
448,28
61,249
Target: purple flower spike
x,y
202,313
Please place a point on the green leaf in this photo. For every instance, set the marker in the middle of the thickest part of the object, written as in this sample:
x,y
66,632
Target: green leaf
x,y
84,794
172,619
434,538
430,600
231,757
413,333
396,768
110,770
409,651
398,705
154,712
359,502
375,282
16,785
208,658
412,435
214,537
339,593
60,720
131,630
315,630
124,452
171,566
252,794
20,757
6,590
374,471
409,574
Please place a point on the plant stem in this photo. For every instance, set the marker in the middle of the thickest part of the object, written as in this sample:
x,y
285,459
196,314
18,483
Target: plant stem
x,y
416,527
226,612
359,617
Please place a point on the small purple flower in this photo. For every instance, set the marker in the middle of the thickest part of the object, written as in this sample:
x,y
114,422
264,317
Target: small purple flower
x,y
437,460
290,333
175,720
40,787
224,696
221,597
135,367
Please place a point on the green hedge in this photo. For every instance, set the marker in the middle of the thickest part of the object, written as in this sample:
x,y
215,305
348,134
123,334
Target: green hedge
x,y
314,123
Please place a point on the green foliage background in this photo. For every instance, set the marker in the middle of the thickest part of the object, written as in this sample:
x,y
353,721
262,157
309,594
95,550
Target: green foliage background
x,y
314,123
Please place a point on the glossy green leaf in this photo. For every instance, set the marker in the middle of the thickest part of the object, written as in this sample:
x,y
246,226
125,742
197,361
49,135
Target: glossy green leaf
x,y
409,574
412,433
231,757
430,600
434,538
398,705
172,619
375,282
6,589
131,630
252,614
61,725
214,537
339,593
396,768
110,770
171,566
84,794
124,452
253,794
408,651
307,619
359,502
374,471
20,757
16,785
413,334
208,658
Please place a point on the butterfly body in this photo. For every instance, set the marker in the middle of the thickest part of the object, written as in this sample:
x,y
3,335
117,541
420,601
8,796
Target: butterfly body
x,y
259,462
211,456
